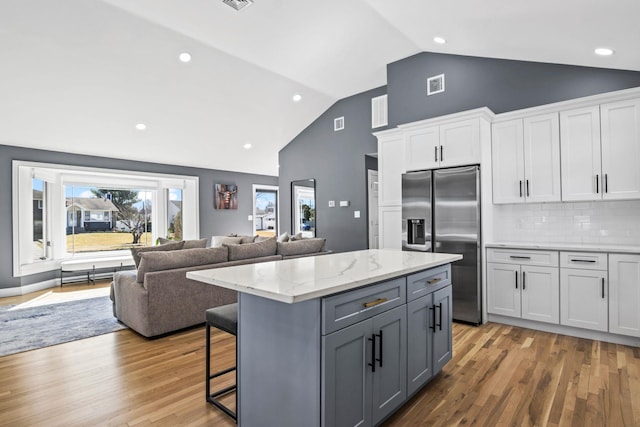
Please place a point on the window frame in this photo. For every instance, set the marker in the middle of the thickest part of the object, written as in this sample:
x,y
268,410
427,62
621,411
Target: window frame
x,y
57,177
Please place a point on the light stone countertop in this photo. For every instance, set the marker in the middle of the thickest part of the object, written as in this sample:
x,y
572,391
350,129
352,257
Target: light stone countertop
x,y
573,247
301,279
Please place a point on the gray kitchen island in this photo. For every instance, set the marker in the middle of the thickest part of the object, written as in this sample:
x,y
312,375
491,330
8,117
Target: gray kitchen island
x,y
340,339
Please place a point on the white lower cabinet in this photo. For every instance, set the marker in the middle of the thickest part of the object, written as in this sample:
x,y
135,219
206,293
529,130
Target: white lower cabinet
x,y
584,292
524,284
624,294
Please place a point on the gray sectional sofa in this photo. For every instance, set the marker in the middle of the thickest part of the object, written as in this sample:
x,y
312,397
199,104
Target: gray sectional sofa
x,y
157,298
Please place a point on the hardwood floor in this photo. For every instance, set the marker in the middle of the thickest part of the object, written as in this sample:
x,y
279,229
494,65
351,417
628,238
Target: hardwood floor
x,y
500,375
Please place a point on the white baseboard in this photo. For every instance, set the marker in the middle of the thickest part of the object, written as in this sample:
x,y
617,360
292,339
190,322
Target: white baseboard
x,y
566,330
27,289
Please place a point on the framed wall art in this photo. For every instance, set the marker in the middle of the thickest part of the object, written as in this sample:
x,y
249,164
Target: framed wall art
x,y
226,196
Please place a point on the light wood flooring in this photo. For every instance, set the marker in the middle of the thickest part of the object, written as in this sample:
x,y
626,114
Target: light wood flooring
x,y
500,375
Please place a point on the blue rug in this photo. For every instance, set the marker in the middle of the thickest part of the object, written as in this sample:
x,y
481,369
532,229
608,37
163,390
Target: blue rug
x,y
43,326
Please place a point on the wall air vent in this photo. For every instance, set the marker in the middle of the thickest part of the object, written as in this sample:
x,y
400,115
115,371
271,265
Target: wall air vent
x,y
338,123
379,111
238,4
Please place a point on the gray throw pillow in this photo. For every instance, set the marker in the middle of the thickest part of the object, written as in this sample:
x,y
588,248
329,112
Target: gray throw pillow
x,y
252,250
160,261
247,239
218,241
135,252
188,244
301,247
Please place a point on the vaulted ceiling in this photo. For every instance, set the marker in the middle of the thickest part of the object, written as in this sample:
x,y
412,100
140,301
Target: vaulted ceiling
x,y
78,75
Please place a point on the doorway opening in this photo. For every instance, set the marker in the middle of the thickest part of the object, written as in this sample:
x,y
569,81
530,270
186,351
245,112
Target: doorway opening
x,y
265,210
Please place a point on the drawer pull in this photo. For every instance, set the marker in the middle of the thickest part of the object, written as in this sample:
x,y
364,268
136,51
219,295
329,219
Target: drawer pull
x,y
519,257
583,260
436,280
374,303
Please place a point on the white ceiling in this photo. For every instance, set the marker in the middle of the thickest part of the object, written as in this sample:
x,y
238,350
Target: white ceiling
x,y
77,75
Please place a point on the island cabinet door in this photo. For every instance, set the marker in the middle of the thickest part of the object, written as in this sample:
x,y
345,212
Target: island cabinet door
x,y
442,335
420,325
347,372
390,376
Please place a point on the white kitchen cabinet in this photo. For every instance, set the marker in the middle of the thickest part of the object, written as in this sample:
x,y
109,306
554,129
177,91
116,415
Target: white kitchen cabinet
x,y
624,294
620,133
390,223
519,287
580,153
526,160
584,295
600,152
435,146
422,148
390,169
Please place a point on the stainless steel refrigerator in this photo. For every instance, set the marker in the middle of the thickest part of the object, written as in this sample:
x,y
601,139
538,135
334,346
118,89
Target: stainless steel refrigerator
x,y
441,213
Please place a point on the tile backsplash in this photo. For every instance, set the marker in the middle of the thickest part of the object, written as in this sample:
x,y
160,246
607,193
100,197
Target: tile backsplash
x,y
605,222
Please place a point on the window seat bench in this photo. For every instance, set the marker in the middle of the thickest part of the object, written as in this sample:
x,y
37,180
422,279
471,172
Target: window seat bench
x,y
95,265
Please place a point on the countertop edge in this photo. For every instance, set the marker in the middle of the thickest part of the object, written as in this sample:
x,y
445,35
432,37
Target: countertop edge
x,y
621,249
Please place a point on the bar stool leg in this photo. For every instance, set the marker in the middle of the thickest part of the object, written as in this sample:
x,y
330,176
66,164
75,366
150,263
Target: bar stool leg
x,y
213,397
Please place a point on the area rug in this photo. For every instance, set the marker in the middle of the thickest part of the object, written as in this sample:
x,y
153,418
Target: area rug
x,y
23,329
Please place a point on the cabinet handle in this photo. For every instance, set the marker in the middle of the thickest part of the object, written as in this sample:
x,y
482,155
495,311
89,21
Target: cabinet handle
x,y
583,260
603,288
523,279
519,257
373,352
433,325
374,303
528,188
606,183
516,279
439,315
435,149
597,183
436,280
380,358
441,154
520,188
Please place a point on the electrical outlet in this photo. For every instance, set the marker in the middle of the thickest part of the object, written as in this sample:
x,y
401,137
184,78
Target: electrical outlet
x,y
250,218
332,203
356,214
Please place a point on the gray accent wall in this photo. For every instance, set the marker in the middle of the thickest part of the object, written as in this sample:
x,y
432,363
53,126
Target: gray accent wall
x,y
500,84
212,221
337,159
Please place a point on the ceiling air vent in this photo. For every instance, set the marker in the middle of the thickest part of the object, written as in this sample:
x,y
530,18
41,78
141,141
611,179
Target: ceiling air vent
x,y
238,4
338,123
379,111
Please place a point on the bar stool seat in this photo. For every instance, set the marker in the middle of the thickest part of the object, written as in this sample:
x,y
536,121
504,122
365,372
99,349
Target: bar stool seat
x,y
225,318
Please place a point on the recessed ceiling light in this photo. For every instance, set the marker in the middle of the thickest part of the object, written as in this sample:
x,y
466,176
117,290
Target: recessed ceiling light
x,y
185,57
141,126
246,146
297,97
439,40
603,51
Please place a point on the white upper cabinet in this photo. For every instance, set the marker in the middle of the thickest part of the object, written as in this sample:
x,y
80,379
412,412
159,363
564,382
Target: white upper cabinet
x,y
580,150
390,169
526,160
600,147
620,127
422,148
460,143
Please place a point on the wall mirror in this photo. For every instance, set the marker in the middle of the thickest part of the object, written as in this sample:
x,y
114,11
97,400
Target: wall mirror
x,y
303,207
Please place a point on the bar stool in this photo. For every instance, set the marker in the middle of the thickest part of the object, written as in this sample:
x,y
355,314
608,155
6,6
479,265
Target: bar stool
x,y
224,318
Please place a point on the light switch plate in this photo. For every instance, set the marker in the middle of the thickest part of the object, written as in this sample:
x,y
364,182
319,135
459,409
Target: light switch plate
x,y
356,214
250,217
344,203
332,203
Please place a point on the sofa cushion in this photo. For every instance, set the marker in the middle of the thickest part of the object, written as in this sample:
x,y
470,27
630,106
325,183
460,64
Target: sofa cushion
x,y
252,250
218,241
136,252
188,244
160,261
247,239
301,247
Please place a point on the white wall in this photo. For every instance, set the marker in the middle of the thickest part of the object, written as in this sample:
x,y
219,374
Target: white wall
x,y
616,223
